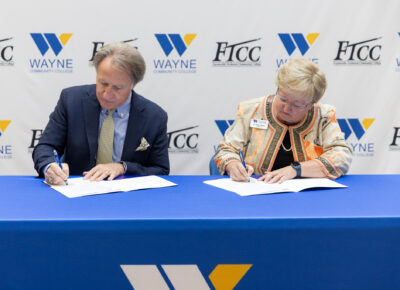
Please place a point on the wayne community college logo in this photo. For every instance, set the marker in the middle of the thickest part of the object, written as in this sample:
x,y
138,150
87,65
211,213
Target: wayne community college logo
x,y
184,276
223,125
292,40
3,126
5,150
45,41
169,43
296,42
352,125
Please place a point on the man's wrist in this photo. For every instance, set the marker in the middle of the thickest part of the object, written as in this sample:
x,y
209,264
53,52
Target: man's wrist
x,y
47,167
124,166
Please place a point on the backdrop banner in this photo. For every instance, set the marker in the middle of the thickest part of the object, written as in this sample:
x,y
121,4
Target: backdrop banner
x,y
203,59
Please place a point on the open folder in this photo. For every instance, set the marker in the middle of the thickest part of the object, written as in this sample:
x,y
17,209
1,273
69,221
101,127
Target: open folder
x,y
254,186
78,187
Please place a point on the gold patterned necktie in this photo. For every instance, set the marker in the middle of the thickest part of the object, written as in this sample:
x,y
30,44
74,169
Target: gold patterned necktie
x,y
106,140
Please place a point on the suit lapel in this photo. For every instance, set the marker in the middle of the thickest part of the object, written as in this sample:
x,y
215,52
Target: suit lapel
x,y
91,109
136,123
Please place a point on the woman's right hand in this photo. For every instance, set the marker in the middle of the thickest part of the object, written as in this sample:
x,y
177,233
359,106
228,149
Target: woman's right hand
x,y
237,172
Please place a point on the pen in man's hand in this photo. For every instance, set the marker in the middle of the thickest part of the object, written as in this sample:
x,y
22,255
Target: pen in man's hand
x,y
59,163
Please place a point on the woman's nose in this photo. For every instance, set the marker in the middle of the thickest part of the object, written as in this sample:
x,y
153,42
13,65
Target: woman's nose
x,y
287,108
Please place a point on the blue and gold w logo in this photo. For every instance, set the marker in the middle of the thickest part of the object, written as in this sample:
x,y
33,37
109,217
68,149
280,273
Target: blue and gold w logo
x,y
223,125
290,40
3,125
224,276
354,125
46,40
169,41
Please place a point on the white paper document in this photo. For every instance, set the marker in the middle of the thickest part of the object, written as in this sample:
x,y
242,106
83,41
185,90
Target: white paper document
x,y
78,187
254,186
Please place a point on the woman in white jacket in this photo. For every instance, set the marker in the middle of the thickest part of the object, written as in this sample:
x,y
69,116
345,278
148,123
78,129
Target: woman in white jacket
x,y
288,134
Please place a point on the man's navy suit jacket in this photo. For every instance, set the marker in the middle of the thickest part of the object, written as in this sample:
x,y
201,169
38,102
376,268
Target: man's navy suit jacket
x,y
73,131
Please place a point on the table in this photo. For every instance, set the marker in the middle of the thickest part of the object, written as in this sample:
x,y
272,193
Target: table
x,y
318,239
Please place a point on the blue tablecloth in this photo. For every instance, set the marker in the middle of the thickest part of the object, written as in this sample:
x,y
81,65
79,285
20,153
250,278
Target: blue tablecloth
x,y
317,239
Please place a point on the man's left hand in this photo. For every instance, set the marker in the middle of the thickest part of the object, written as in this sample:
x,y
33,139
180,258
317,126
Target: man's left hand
x,y
279,175
102,171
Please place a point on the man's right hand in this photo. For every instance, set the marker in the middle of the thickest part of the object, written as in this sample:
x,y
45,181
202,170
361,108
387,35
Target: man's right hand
x,y
55,176
237,172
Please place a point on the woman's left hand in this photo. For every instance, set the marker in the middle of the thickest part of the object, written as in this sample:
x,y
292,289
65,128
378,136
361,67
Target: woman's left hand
x,y
279,175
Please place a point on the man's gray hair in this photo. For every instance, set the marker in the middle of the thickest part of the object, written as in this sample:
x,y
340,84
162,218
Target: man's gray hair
x,y
125,57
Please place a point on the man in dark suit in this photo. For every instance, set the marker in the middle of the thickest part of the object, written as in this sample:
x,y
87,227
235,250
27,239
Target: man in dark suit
x,y
105,130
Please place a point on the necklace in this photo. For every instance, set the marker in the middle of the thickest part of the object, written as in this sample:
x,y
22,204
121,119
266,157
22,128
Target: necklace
x,y
284,148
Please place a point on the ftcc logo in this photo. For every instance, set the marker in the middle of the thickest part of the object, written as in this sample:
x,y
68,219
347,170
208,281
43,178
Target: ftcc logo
x,y
351,125
291,41
183,141
184,276
44,42
394,146
97,45
170,65
6,52
367,52
244,53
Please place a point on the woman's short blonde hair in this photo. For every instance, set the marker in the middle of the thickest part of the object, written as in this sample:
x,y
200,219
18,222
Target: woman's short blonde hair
x,y
303,76
125,57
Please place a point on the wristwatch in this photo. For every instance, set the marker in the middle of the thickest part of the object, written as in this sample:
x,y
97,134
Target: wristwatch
x,y
124,165
297,167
